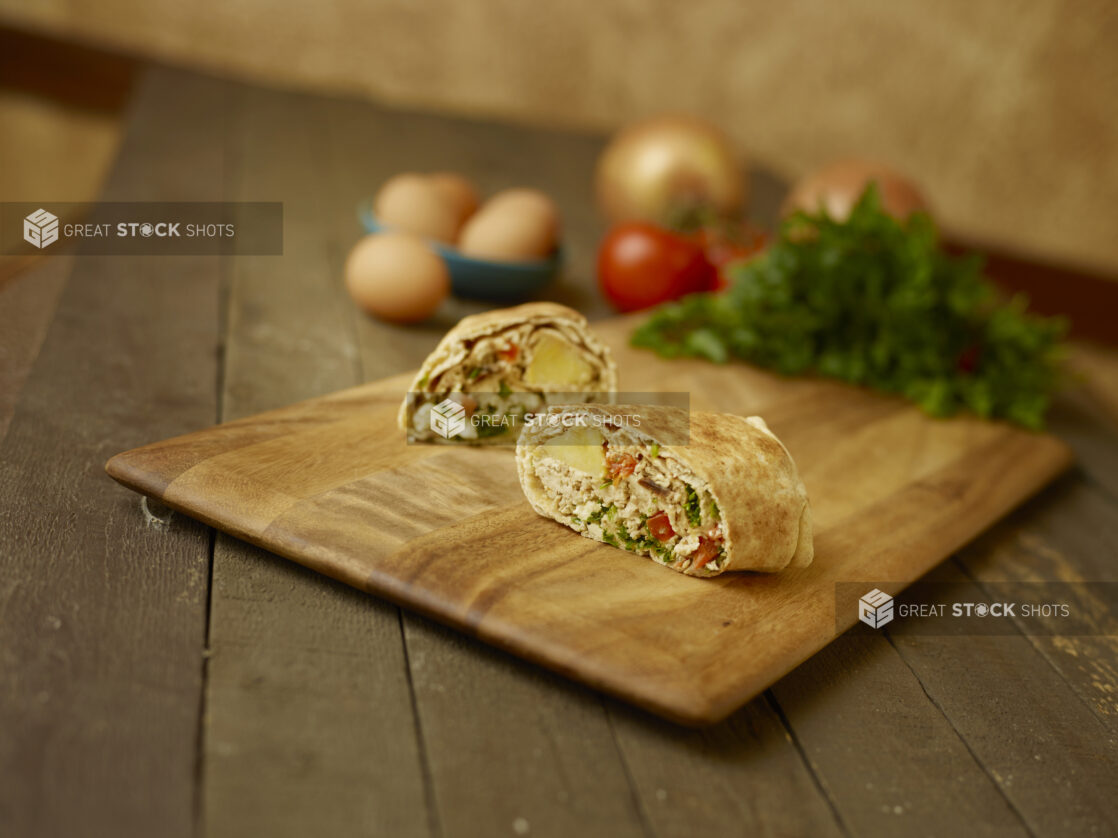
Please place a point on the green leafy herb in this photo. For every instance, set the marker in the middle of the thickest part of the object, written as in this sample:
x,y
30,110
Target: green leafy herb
x,y
692,508
715,512
654,451
575,519
474,373
626,539
874,301
504,391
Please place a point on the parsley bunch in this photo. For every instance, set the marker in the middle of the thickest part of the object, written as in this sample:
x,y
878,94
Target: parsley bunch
x,y
874,301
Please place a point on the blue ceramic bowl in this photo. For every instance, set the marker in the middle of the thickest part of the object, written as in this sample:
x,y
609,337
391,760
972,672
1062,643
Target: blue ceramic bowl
x,y
483,279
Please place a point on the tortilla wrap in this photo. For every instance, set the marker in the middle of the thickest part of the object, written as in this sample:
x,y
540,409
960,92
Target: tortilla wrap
x,y
752,507
516,357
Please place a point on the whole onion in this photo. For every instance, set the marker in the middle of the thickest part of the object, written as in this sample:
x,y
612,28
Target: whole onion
x,y
667,164
838,186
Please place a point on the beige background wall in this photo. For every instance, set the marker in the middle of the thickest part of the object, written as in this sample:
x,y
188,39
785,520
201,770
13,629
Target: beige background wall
x,y
1006,111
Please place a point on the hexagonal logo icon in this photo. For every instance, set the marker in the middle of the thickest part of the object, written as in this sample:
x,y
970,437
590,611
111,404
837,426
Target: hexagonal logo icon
x,y
875,609
40,228
448,418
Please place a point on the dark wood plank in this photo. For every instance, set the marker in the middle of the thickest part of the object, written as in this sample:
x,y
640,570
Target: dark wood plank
x,y
1068,534
309,724
1092,433
1051,757
744,776
27,305
102,612
513,749
890,761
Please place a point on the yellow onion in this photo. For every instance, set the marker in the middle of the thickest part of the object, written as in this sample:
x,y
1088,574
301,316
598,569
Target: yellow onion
x,y
838,186
668,164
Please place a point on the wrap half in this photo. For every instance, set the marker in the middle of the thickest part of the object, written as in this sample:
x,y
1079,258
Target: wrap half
x,y
729,499
500,365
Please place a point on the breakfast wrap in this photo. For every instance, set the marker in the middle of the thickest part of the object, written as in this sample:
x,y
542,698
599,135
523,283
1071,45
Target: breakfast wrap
x,y
499,366
702,493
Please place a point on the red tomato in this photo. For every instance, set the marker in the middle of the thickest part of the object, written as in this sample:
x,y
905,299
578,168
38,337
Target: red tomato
x,y
708,549
660,526
641,265
620,466
509,352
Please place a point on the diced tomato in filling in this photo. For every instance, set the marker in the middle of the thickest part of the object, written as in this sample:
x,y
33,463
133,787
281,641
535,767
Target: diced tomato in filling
x,y
708,549
621,465
509,353
660,526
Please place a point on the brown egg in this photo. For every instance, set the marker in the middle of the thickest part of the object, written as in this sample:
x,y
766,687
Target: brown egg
x,y
458,192
396,277
412,203
530,202
514,226
838,187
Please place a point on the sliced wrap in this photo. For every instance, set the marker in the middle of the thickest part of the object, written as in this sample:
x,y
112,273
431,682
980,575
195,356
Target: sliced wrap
x,y
728,499
503,364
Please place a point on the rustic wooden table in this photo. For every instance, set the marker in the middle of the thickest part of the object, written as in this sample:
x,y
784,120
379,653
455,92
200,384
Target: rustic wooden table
x,y
158,679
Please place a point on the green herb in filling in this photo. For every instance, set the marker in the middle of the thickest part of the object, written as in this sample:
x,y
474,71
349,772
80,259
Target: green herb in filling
x,y
504,391
692,508
626,539
474,373
654,451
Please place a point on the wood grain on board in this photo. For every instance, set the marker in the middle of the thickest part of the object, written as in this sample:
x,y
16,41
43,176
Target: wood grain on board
x,y
444,530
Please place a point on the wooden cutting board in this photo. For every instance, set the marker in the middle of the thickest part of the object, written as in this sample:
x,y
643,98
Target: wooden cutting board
x,y
331,484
